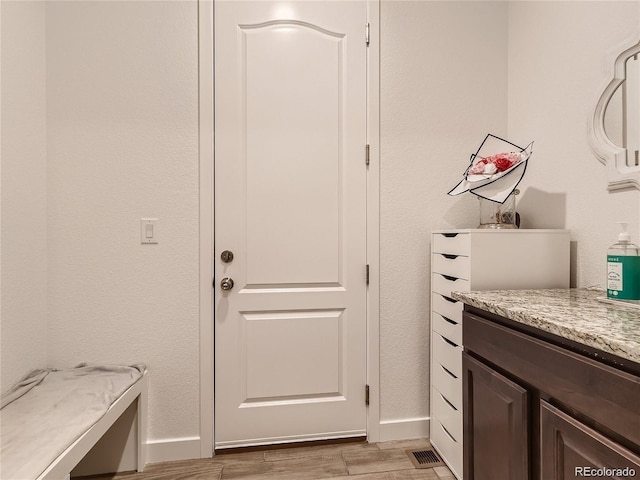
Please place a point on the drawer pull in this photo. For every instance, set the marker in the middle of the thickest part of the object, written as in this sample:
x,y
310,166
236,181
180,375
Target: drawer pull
x,y
449,299
448,402
449,320
450,235
449,277
449,256
453,344
447,432
448,371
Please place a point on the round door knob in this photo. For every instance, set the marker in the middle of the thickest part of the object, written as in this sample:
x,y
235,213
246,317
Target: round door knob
x,y
226,283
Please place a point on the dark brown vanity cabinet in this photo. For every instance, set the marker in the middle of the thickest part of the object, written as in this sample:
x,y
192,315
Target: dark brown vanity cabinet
x,y
540,407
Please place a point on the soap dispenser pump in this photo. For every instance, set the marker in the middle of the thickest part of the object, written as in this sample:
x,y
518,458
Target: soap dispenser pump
x,y
623,268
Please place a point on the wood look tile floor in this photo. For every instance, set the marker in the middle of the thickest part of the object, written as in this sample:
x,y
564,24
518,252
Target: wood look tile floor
x,y
346,461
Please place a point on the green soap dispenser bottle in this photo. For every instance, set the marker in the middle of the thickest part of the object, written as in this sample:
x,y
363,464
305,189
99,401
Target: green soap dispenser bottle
x,y
623,268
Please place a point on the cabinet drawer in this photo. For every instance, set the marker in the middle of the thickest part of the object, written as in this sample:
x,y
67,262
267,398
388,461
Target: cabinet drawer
x,y
445,284
447,307
449,448
447,413
447,383
447,327
453,265
447,353
451,243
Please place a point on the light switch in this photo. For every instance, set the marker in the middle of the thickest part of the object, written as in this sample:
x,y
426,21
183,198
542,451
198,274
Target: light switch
x,y
148,230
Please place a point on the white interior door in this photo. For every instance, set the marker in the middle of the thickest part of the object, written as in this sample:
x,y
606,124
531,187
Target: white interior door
x,y
290,203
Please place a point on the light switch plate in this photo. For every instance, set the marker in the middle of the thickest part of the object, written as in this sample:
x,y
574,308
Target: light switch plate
x,y
148,230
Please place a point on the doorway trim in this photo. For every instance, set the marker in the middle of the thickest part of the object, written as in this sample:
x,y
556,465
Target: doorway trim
x,y
206,211
205,134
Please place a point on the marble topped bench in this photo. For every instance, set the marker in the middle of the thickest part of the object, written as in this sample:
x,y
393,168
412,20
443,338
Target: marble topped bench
x,y
52,418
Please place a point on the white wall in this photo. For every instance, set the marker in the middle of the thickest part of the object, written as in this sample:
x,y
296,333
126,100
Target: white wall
x,y
23,201
560,59
122,113
443,88
444,70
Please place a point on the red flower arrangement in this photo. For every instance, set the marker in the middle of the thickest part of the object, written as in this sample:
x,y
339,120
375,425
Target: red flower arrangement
x,y
493,164
494,176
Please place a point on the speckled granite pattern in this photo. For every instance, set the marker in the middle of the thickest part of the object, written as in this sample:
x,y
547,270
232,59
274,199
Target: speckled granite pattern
x,y
575,314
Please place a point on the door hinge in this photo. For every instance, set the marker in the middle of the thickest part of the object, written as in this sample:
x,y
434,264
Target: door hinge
x,y
367,33
367,150
367,274
366,395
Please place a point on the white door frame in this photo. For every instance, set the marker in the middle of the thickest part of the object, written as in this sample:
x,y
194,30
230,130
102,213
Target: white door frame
x,y
206,159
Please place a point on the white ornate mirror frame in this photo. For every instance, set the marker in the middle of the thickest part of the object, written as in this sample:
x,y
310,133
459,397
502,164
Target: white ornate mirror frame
x,y
621,176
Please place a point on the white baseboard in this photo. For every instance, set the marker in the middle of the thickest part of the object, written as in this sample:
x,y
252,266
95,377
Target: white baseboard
x,y
404,429
189,447
173,449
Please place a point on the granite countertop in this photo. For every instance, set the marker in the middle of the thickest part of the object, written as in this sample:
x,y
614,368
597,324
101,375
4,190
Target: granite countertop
x,y
575,314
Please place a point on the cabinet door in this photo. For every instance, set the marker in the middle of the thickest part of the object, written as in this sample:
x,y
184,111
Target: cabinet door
x,y
572,450
496,425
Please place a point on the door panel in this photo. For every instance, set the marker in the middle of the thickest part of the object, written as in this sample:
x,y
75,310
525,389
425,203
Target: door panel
x,y
571,450
496,426
303,358
284,121
290,202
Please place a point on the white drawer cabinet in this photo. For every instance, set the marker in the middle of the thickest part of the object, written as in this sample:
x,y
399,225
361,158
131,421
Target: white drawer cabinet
x,y
478,259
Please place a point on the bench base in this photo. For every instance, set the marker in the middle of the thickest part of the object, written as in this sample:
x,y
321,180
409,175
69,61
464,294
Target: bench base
x,y
128,416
